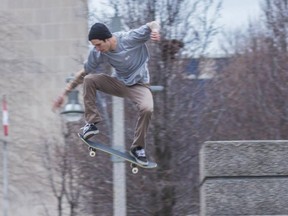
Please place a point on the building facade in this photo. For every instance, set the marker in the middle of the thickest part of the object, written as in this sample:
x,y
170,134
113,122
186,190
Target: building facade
x,y
42,42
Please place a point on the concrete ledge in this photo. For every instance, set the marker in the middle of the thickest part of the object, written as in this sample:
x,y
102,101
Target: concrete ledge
x,y
244,178
245,197
244,158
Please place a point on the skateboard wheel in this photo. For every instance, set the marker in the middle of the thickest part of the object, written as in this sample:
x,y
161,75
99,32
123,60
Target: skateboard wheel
x,y
92,153
135,170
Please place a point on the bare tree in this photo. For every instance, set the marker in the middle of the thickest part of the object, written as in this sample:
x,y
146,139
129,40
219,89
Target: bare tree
x,y
64,174
248,99
56,170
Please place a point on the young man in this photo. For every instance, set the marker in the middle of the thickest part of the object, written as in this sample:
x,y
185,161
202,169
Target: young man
x,y
128,54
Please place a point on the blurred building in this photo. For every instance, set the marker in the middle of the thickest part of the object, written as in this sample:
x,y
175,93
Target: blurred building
x,y
42,42
204,68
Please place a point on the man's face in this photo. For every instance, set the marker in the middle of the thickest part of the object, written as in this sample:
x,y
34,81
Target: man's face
x,y
100,45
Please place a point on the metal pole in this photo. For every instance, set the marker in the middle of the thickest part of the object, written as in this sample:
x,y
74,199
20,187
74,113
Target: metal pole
x,y
119,180
5,180
5,174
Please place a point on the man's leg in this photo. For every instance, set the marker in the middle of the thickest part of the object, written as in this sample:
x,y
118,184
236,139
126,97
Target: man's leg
x,y
104,83
142,97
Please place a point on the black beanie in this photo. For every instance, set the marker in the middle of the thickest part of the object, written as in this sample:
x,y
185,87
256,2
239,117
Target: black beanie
x,y
99,31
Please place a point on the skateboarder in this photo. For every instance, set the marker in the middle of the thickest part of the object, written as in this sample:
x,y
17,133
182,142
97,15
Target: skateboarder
x,y
128,54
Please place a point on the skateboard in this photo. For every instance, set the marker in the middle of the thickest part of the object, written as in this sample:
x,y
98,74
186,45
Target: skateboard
x,y
94,146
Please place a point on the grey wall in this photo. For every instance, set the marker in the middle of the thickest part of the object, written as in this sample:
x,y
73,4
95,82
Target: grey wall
x,y
244,178
41,43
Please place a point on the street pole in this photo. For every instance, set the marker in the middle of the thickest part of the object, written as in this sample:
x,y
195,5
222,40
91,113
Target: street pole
x,y
5,180
5,161
119,180
118,140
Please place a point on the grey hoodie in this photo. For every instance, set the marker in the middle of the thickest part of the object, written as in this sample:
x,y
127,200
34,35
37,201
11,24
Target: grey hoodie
x,y
129,58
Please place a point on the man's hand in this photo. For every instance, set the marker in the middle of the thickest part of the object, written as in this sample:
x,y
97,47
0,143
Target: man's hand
x,y
79,77
58,103
155,35
155,29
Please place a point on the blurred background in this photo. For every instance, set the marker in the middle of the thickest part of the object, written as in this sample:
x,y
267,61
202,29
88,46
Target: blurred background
x,y
223,66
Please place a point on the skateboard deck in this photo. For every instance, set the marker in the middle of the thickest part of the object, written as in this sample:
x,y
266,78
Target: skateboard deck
x,y
93,146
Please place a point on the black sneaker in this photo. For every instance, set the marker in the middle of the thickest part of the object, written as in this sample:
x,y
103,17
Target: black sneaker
x,y
139,154
89,130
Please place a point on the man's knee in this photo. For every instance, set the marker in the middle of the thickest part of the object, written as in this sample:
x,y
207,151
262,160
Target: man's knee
x,y
146,108
92,77
89,79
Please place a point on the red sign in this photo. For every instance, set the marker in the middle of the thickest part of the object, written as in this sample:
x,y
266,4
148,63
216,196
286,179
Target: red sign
x,y
5,116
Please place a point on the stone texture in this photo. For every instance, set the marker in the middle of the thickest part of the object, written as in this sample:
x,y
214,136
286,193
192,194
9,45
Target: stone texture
x,y
244,158
245,196
244,178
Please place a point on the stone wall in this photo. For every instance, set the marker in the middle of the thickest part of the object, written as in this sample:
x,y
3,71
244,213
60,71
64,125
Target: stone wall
x,y
41,43
244,178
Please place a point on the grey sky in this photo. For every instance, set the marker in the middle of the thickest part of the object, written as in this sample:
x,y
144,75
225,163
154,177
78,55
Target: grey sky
x,y
236,13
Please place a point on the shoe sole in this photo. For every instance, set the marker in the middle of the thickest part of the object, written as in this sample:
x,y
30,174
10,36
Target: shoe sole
x,y
90,134
139,161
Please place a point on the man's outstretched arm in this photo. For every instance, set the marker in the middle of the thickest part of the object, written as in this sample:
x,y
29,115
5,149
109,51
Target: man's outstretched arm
x,y
78,79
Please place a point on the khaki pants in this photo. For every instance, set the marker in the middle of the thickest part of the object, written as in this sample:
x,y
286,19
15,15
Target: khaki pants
x,y
139,94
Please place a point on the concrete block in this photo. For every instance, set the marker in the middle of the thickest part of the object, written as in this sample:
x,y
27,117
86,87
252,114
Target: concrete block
x,y
244,196
244,178
244,158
